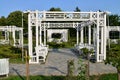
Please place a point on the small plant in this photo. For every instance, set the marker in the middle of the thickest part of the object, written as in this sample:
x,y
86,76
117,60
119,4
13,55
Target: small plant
x,y
70,67
82,70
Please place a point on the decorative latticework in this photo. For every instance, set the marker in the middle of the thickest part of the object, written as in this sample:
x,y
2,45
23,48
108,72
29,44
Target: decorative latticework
x,y
44,20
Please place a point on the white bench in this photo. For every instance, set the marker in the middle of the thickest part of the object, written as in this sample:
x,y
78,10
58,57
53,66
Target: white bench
x,y
41,52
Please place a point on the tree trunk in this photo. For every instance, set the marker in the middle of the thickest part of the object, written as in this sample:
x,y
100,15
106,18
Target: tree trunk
x,y
118,72
27,66
87,68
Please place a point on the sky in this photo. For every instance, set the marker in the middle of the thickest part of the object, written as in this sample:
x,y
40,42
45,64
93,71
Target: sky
x,y
8,6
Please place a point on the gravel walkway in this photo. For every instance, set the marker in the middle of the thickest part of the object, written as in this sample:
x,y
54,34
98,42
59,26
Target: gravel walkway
x,y
56,64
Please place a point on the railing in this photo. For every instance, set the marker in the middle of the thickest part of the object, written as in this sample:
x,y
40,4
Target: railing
x,y
4,67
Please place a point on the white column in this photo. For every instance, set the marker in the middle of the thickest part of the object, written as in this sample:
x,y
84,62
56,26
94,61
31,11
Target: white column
x,y
94,36
13,34
40,34
77,35
22,44
89,35
5,32
81,37
36,28
97,36
30,49
102,34
22,37
44,35
105,29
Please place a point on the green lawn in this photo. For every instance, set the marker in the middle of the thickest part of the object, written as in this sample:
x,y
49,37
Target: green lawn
x,y
102,77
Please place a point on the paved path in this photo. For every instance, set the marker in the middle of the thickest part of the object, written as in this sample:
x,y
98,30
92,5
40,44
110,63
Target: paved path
x,y
56,64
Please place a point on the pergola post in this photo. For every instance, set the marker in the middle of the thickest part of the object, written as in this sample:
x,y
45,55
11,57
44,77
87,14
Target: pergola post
x,y
102,39
77,34
89,35
40,34
14,37
105,29
45,35
30,49
36,27
81,33
97,36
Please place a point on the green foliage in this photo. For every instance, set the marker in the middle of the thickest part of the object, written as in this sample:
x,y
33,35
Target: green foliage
x,y
108,77
3,21
113,56
38,77
13,53
68,44
15,18
34,78
82,70
70,69
114,20
56,45
54,9
85,51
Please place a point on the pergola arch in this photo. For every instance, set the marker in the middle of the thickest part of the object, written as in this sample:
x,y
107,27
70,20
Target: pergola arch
x,y
43,20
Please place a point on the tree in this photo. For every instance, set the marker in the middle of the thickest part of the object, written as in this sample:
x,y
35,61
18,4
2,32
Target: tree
x,y
114,20
15,18
113,57
55,9
77,9
3,21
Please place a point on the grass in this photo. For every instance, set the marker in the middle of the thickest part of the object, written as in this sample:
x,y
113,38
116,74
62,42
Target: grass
x,y
34,78
13,53
101,77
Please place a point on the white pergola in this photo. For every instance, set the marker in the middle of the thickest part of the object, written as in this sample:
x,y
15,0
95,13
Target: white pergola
x,y
16,41
43,20
63,32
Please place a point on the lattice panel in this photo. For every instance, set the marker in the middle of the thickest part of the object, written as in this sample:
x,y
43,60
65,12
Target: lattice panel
x,y
84,15
101,22
94,15
32,15
40,15
33,22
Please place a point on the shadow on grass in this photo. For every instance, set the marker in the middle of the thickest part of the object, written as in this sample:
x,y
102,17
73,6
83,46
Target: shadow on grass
x,y
54,68
18,73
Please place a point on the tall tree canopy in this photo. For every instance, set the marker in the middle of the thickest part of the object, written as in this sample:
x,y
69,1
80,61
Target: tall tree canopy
x,y
114,20
55,9
3,21
15,18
